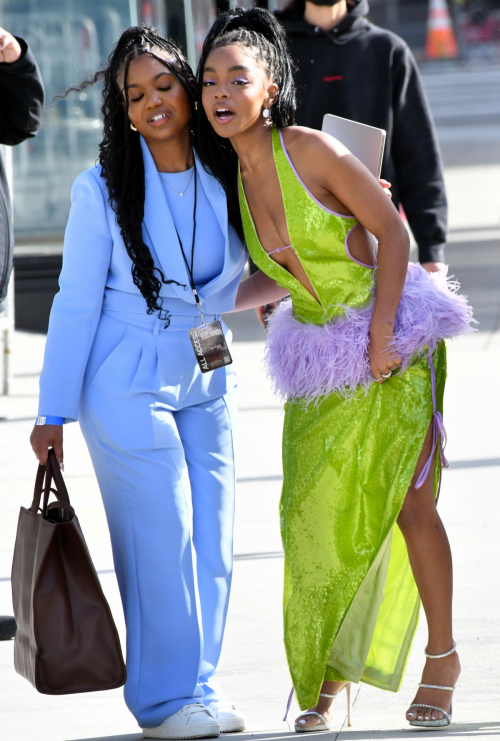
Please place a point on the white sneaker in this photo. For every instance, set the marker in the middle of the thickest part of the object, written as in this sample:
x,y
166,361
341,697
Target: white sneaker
x,y
230,720
191,721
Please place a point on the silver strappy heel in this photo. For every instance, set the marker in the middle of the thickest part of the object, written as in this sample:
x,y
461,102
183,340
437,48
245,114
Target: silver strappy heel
x,y
324,725
447,716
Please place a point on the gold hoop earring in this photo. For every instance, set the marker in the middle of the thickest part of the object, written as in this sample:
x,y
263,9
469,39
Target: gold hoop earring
x,y
133,127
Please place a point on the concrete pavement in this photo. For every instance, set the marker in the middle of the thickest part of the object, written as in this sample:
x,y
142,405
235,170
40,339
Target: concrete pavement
x,y
253,670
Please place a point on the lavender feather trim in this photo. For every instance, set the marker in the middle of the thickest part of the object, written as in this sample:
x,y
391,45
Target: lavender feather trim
x,y
307,361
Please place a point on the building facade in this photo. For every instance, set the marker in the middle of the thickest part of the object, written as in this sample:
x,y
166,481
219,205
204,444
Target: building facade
x,y
71,40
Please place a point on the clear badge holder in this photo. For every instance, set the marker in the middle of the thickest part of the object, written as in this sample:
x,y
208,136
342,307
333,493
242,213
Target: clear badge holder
x,y
209,344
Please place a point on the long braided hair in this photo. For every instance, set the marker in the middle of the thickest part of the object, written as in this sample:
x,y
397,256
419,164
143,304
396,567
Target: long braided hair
x,y
120,153
258,31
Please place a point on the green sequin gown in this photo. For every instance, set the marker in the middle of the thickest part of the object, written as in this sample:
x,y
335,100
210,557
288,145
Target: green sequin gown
x,y
350,602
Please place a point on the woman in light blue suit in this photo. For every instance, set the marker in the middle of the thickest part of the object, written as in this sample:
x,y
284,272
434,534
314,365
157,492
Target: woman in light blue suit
x,y
119,359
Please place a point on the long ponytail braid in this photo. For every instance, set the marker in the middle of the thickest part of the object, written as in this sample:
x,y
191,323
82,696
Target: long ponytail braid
x,y
259,31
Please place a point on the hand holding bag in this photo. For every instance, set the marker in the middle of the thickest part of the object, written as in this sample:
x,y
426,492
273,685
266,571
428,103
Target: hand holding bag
x,y
66,638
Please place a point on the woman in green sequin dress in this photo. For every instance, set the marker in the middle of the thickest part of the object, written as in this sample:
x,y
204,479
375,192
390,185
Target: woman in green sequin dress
x,y
352,517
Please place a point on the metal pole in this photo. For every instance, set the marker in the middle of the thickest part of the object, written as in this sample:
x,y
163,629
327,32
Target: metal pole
x,y
454,6
7,339
188,20
134,18
7,316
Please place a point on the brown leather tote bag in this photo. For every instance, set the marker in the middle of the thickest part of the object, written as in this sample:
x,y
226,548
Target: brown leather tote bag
x,y
66,639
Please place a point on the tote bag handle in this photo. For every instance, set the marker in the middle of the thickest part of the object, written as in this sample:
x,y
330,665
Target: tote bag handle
x,y
48,472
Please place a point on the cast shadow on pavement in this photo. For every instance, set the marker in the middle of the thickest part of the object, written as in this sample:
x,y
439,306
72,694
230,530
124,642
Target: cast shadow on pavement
x,y
257,736
482,730
456,730
120,737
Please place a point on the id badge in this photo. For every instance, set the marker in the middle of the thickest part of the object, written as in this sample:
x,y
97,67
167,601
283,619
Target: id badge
x,y
210,347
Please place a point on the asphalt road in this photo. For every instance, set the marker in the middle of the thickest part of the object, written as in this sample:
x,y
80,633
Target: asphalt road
x,y
465,103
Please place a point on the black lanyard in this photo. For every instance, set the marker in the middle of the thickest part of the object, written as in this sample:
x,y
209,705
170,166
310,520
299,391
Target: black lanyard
x,y
189,267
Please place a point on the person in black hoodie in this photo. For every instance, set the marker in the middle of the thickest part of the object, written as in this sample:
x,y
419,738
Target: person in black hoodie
x,y
351,68
21,92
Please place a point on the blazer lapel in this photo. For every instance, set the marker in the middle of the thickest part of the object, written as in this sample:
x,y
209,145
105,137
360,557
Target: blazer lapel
x,y
234,254
159,232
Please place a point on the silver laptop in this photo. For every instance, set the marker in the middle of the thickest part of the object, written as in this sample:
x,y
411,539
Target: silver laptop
x,y
365,142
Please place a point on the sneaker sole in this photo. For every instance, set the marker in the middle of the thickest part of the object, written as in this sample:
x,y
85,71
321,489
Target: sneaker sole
x,y
232,726
184,733
235,725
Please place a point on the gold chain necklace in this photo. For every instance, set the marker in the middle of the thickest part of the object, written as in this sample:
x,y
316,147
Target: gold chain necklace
x,y
179,193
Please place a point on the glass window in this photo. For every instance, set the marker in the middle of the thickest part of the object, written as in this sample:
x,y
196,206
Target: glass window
x,y
277,4
70,40
204,14
243,4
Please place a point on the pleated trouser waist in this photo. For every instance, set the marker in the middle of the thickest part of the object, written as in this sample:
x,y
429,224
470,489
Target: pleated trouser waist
x,y
153,323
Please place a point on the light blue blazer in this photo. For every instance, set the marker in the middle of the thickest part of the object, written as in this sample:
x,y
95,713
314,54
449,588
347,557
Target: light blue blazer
x,y
96,276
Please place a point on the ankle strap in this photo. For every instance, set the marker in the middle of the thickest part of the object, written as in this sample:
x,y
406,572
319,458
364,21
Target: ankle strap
x,y
332,697
441,656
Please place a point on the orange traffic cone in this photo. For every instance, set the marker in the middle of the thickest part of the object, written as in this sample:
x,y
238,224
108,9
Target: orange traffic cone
x,y
441,42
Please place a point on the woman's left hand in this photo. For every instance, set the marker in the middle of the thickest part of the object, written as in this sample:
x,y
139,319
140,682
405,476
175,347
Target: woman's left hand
x,y
383,357
386,185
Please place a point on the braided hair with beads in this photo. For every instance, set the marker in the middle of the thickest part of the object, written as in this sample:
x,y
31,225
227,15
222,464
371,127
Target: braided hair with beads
x,y
120,154
259,32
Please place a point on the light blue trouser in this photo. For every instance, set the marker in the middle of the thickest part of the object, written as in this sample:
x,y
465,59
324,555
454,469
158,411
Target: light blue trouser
x,y
167,480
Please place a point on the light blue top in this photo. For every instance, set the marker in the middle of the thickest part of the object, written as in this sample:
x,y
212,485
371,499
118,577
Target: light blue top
x,y
96,273
209,245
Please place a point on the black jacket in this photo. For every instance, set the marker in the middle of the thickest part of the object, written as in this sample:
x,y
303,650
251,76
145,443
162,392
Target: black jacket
x,y
21,96
368,74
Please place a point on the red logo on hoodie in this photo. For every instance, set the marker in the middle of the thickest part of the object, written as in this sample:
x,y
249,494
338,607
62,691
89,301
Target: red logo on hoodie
x,y
333,78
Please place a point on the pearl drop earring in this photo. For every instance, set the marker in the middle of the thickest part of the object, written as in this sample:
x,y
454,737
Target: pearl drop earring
x,y
266,113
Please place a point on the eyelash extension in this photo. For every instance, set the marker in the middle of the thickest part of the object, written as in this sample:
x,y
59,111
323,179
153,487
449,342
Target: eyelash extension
x,y
242,80
136,100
